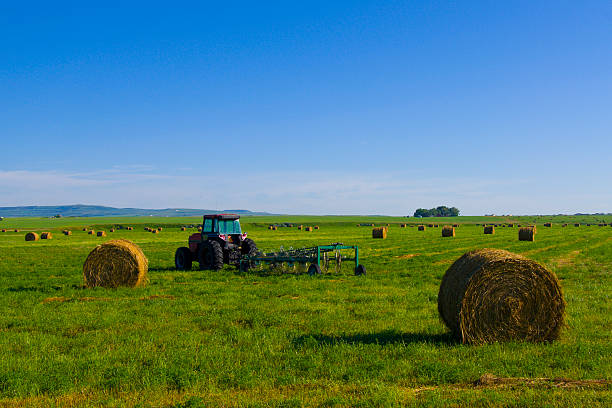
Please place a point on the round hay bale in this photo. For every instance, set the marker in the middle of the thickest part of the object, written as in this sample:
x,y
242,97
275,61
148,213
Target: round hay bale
x,y
84,229
155,231
112,230
308,229
32,236
421,228
91,232
316,227
3,230
183,229
448,231
116,263
489,229
16,230
492,295
101,234
46,235
160,229
67,232
526,234
379,232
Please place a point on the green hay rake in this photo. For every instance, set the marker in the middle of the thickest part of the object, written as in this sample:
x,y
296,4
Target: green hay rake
x,y
317,258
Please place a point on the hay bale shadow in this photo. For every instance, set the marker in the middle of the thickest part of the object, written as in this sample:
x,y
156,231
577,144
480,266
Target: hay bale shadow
x,y
382,338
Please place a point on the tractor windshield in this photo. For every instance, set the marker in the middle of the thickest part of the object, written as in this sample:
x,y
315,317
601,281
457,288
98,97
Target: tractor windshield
x,y
229,227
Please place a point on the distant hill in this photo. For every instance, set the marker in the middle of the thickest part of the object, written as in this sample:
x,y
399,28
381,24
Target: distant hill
x,y
79,210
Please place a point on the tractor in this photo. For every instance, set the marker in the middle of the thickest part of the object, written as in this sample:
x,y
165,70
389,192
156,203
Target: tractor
x,y
221,241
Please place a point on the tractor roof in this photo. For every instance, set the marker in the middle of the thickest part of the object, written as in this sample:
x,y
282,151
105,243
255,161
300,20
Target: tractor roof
x,y
222,216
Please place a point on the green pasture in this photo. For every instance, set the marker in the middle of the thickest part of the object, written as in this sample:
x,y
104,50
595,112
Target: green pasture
x,y
202,338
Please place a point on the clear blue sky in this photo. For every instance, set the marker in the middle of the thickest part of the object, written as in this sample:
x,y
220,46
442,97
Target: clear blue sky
x,y
326,107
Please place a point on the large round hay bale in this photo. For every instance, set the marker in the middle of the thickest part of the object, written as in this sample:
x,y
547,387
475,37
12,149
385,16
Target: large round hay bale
x,y
379,232
491,295
101,234
116,263
31,236
46,235
489,229
91,232
448,231
67,232
421,228
526,234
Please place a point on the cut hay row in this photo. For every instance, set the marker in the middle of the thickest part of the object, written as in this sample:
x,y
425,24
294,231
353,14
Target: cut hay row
x,y
492,295
116,263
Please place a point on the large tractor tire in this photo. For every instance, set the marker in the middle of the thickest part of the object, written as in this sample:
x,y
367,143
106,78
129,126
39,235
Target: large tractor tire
x,y
248,247
182,259
211,256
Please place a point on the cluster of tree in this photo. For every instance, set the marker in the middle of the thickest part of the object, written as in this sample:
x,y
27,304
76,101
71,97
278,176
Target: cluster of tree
x,y
442,211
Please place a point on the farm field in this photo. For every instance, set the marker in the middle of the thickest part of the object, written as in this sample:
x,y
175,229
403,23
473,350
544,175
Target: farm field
x,y
201,338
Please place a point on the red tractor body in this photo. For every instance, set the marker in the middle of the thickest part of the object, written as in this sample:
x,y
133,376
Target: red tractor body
x,y
221,241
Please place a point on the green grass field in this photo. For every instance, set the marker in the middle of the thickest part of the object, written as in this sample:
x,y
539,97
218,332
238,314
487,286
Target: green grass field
x,y
201,338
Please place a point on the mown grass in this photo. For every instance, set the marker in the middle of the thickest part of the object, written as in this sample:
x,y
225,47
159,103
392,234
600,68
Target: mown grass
x,y
201,338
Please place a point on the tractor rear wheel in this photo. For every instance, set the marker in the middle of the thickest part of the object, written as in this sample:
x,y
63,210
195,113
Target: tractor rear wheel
x,y
248,247
211,256
182,259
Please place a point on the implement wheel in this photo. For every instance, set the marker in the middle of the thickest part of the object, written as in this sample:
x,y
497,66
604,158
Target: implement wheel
x,y
211,256
314,269
360,270
182,259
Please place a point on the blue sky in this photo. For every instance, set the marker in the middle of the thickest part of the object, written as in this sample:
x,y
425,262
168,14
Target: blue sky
x,y
344,107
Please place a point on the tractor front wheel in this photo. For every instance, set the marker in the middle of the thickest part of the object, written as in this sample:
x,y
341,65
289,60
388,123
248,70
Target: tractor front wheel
x,y
211,256
248,247
182,259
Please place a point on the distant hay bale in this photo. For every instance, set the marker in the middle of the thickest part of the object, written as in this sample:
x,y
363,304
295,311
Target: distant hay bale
x,y
564,225
548,224
67,232
402,225
130,228
101,234
511,225
46,235
421,228
455,225
3,230
183,229
16,230
526,234
489,229
32,236
308,229
91,232
299,227
274,228
316,227
379,232
430,225
448,231
112,230
436,225
160,229
154,231
116,263
84,229
492,295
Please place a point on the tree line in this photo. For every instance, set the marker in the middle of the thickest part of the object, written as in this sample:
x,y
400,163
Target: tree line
x,y
442,211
